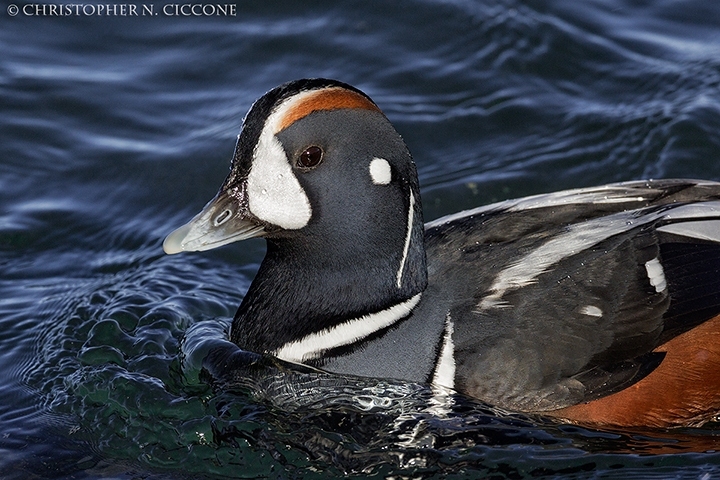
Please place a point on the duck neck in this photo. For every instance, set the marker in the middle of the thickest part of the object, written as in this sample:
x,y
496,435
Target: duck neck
x,y
304,288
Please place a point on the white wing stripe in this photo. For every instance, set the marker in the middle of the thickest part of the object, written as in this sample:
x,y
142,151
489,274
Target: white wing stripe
x,y
580,236
707,230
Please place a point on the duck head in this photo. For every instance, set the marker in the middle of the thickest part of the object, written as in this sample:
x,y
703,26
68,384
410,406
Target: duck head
x,y
322,175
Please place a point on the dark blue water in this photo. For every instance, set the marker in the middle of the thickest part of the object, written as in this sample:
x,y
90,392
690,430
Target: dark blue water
x,y
115,130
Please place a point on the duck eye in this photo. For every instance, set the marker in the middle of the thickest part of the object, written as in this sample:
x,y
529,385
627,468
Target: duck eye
x,y
310,157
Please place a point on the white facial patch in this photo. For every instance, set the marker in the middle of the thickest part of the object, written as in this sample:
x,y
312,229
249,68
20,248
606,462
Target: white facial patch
x,y
274,192
656,274
380,171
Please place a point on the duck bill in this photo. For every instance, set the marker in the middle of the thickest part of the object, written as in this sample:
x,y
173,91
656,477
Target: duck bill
x,y
223,220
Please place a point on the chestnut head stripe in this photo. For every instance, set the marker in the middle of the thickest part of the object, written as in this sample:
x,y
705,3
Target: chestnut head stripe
x,y
325,99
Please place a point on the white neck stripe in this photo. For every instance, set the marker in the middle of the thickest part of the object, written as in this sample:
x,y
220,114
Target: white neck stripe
x,y
314,345
408,235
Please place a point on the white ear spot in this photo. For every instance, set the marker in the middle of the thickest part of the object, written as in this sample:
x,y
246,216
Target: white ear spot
x,y
380,171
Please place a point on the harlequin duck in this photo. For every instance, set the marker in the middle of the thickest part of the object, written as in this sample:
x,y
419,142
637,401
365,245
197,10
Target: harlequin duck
x,y
596,305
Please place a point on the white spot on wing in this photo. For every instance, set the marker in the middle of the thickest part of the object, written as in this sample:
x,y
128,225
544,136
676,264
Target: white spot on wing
x,y
314,345
445,369
656,274
380,171
408,235
591,310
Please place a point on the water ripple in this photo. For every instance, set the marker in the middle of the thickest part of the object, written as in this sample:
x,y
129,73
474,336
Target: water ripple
x,y
117,130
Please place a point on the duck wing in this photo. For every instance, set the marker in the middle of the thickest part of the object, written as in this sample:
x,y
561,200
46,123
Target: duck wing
x,y
563,298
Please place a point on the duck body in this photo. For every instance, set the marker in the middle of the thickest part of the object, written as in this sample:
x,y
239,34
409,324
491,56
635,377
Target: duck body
x,y
584,289
595,305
